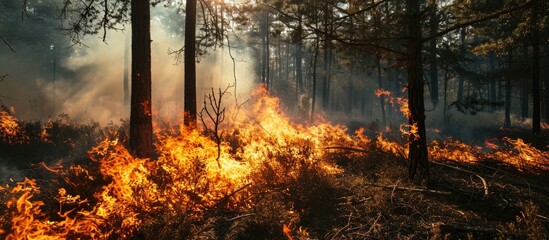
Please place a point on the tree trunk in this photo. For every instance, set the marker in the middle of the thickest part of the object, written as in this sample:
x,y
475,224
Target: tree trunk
x,y
312,116
524,89
462,53
536,116
349,103
298,59
141,113
418,155
126,69
266,51
507,122
325,84
325,76
190,63
445,103
546,90
492,91
380,87
433,63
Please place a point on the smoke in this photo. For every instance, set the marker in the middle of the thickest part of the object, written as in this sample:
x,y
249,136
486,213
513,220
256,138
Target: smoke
x,y
90,87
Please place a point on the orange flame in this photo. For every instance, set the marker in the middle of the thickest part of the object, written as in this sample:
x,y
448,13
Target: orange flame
x,y
9,128
186,179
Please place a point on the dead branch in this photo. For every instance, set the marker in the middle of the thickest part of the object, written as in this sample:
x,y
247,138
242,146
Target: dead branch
x,y
226,197
395,187
544,218
216,114
347,148
8,45
484,184
240,216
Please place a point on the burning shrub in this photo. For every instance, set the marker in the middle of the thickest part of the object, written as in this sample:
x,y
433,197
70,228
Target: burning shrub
x,y
9,128
264,177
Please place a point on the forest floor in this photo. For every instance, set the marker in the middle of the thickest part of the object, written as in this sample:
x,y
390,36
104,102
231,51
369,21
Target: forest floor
x,y
370,198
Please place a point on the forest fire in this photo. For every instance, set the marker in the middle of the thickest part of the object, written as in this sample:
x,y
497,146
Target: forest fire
x,y
8,125
189,178
185,179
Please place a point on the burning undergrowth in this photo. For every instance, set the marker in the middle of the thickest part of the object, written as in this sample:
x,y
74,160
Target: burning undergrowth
x,y
261,176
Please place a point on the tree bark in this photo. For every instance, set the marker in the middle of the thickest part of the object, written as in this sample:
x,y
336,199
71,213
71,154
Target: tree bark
x,y
141,112
524,89
462,53
536,116
418,155
126,69
326,71
190,63
546,90
507,122
380,87
492,90
433,63
315,58
299,58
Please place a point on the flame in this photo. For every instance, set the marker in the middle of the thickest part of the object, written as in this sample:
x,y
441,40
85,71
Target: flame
x,y
189,178
9,128
451,149
523,155
184,180
382,92
400,101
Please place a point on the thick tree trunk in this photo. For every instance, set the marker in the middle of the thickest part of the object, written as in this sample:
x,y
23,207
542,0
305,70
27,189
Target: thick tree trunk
x,y
536,116
418,155
141,113
507,122
190,63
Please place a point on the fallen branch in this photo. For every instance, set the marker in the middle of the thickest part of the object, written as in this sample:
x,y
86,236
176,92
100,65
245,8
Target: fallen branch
x,y
395,187
542,217
240,216
226,197
484,183
7,44
347,148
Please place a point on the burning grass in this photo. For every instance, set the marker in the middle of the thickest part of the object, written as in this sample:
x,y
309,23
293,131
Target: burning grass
x,y
273,179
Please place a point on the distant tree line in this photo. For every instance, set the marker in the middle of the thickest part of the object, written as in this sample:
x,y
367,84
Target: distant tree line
x,y
330,56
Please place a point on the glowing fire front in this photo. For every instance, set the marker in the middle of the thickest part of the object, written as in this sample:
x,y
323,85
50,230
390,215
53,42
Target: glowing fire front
x,y
116,195
185,181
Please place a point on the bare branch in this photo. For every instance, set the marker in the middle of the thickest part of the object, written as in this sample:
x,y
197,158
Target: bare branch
x,y
8,45
215,114
477,20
